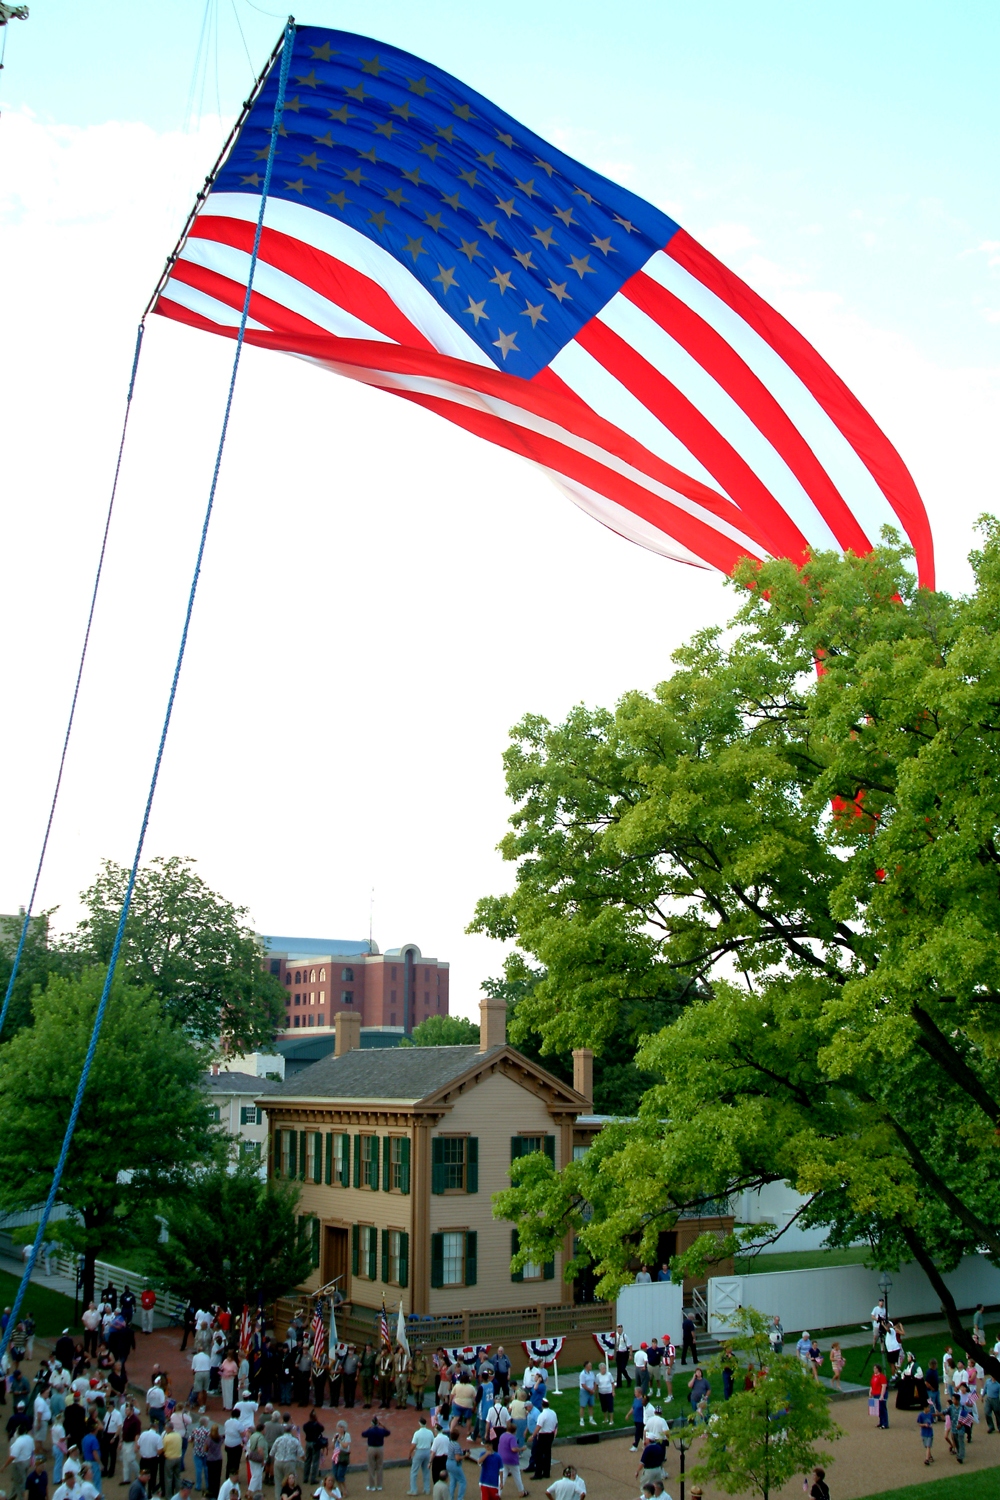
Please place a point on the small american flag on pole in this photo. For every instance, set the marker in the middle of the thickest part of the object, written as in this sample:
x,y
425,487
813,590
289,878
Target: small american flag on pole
x,y
383,1328
246,1329
318,1339
420,240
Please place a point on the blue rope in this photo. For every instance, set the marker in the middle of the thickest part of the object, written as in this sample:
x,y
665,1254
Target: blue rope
x,y
76,687
286,57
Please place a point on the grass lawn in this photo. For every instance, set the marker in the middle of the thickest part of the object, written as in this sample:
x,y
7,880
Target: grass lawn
x,y
567,1406
798,1260
982,1486
52,1311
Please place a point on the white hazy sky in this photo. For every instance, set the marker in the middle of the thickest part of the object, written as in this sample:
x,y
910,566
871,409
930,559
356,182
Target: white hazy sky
x,y
383,595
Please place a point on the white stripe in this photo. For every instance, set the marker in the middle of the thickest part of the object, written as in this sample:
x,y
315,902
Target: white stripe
x,y
850,476
632,527
517,416
729,419
200,302
280,288
616,404
413,299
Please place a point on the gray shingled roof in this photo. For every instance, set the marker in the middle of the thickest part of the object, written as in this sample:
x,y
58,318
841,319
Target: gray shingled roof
x,y
383,1073
241,1083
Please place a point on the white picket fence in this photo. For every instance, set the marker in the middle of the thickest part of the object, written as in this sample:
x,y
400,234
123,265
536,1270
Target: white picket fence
x,y
167,1303
837,1296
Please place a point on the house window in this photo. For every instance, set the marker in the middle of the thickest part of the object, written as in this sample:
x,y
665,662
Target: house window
x,y
288,977
453,1259
347,976
298,999
312,997
248,1114
214,1114
368,1257
398,1147
369,1161
579,1152
454,1164
287,1160
312,1020
322,976
312,977
397,1258
531,1271
322,996
342,1160
347,997
250,1149
524,1145
298,976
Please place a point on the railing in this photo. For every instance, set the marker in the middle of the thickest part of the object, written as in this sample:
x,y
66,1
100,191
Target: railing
x,y
700,1304
357,1323
167,1302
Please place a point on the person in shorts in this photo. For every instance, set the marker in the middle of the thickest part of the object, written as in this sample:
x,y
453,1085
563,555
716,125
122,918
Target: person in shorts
x,y
925,1426
606,1393
490,1474
588,1392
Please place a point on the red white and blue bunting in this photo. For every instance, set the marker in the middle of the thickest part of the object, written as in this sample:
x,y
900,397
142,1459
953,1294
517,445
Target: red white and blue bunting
x,y
464,1354
543,1351
606,1343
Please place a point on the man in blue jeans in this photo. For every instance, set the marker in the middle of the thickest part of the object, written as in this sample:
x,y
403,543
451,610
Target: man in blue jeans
x,y
420,1457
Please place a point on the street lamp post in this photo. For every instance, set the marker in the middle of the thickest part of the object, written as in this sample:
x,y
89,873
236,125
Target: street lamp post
x,y
681,1442
885,1287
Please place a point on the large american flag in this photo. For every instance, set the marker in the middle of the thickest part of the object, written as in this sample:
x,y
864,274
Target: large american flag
x,y
420,240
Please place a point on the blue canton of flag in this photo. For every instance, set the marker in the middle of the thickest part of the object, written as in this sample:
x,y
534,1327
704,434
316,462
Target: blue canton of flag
x,y
521,244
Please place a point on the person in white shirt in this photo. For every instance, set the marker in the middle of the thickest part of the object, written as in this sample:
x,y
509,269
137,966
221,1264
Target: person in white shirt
x,y
88,1489
642,1278
43,1416
69,1489
641,1361
588,1393
420,1458
22,1451
72,1463
878,1318
569,1487
229,1489
156,1404
246,1407
530,1374
201,1369
606,1393
655,1427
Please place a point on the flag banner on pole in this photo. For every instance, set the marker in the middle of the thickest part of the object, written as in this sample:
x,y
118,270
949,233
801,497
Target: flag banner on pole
x,y
420,240
246,1330
606,1343
543,1351
401,1330
318,1339
383,1328
465,1354
333,1324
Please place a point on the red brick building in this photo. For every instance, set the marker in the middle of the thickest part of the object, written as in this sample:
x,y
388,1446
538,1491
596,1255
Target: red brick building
x,y
391,992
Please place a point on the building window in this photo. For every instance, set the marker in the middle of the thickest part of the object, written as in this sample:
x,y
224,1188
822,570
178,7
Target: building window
x,y
312,977
579,1152
342,1160
368,1252
298,1020
251,1149
322,996
275,965
298,999
454,1258
347,997
524,1145
298,976
455,1164
530,1271
397,1257
369,1161
322,976
321,1019
312,997
288,978
215,1114
248,1115
312,1020
347,976
287,1160
398,1147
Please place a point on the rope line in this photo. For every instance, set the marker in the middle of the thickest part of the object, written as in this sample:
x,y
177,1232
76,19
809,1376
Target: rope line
x,y
76,687
286,57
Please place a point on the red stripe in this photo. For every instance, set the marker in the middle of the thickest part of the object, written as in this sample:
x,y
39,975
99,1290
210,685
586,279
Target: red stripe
x,y
702,540
696,432
273,314
841,406
750,393
564,412
322,273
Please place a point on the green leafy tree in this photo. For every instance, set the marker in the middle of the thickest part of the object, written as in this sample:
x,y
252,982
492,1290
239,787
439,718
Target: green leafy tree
x,y
760,1439
144,1125
191,946
442,1031
808,860
236,1238
39,958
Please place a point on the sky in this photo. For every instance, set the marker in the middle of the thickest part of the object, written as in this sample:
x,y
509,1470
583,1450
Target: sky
x,y
383,595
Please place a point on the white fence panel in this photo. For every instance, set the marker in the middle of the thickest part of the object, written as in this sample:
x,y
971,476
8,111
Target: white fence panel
x,y
651,1310
834,1296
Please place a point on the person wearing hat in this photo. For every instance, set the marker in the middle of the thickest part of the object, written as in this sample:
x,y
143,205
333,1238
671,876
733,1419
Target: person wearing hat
x,y
183,1490
22,1451
69,1489
139,1488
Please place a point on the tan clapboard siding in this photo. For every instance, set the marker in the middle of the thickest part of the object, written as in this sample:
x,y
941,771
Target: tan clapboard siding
x,y
494,1110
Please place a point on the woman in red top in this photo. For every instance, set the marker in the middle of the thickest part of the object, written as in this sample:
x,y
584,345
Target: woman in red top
x,y
878,1389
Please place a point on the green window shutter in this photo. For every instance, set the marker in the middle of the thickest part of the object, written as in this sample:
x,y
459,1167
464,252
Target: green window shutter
x,y
329,1157
315,1241
471,1257
276,1155
302,1156
387,1167
318,1157
355,1250
437,1169
472,1164
293,1170
404,1258
404,1174
243,1114
385,1255
345,1161
375,1146
549,1270
516,1147
372,1255
357,1161
515,1245
437,1260
550,1148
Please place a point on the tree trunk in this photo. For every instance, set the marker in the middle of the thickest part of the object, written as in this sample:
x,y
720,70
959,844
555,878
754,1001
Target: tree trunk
x,y
961,1335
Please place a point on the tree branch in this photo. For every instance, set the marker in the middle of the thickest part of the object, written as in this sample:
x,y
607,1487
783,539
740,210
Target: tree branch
x,y
937,1046
961,1211
961,1335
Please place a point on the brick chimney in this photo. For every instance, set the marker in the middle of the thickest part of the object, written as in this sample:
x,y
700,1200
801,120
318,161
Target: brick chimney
x,y
348,1026
492,1022
583,1074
